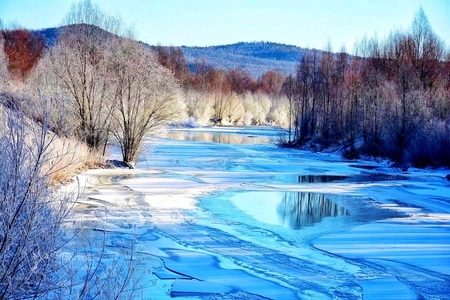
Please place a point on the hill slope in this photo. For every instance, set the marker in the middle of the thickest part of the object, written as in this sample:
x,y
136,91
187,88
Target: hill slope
x,y
50,35
255,57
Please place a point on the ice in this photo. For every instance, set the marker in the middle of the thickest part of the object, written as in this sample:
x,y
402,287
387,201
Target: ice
x,y
223,218
388,288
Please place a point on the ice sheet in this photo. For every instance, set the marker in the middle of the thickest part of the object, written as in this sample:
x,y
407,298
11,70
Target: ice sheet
x,y
198,231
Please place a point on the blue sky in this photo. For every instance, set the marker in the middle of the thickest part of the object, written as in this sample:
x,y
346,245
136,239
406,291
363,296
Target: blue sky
x,y
216,22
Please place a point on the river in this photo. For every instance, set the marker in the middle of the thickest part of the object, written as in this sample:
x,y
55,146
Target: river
x,y
223,213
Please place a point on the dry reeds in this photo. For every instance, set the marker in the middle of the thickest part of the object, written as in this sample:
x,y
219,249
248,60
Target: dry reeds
x,y
62,158
68,157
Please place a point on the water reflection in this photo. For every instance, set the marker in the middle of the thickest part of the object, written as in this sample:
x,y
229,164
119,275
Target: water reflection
x,y
320,178
215,137
365,177
298,210
292,210
365,167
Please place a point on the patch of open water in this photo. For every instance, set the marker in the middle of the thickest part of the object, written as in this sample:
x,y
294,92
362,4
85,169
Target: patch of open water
x,y
232,135
293,210
364,177
288,210
296,217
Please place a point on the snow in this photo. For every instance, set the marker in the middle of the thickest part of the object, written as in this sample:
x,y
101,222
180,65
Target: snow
x,y
231,220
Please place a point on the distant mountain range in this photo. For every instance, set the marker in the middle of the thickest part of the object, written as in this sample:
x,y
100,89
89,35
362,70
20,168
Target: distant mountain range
x,y
255,57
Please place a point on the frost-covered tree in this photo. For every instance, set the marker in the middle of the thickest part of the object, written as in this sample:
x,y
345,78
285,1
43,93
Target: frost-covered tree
x,y
50,99
78,65
31,215
4,74
40,256
144,94
280,115
232,110
199,105
78,61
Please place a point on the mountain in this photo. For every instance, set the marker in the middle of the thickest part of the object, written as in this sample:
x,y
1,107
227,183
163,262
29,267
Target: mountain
x,y
255,57
50,35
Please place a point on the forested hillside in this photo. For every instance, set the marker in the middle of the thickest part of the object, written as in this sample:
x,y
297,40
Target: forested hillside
x,y
255,57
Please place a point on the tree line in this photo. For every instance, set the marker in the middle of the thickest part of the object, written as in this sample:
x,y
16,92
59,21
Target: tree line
x,y
390,99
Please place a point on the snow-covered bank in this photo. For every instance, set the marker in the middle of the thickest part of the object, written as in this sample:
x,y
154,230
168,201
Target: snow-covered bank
x,y
214,220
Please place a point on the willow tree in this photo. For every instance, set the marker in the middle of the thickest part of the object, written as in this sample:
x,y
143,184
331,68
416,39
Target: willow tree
x,y
143,92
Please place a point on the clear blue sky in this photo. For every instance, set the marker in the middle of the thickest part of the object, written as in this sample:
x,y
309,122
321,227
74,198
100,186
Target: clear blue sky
x,y
216,22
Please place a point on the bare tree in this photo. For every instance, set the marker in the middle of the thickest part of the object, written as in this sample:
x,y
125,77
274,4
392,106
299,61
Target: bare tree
x,y
271,83
31,215
80,70
308,81
354,88
88,13
144,94
78,61
394,99
342,64
327,66
50,99
83,268
173,59
428,53
374,105
4,74
289,89
23,49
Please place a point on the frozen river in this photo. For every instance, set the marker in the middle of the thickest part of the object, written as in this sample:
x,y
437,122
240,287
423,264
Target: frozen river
x,y
225,214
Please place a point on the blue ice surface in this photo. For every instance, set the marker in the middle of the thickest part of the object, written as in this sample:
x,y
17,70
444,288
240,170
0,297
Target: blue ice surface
x,y
328,258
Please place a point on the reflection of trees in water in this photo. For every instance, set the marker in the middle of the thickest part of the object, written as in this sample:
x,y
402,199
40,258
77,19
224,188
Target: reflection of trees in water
x,y
320,178
298,210
211,137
